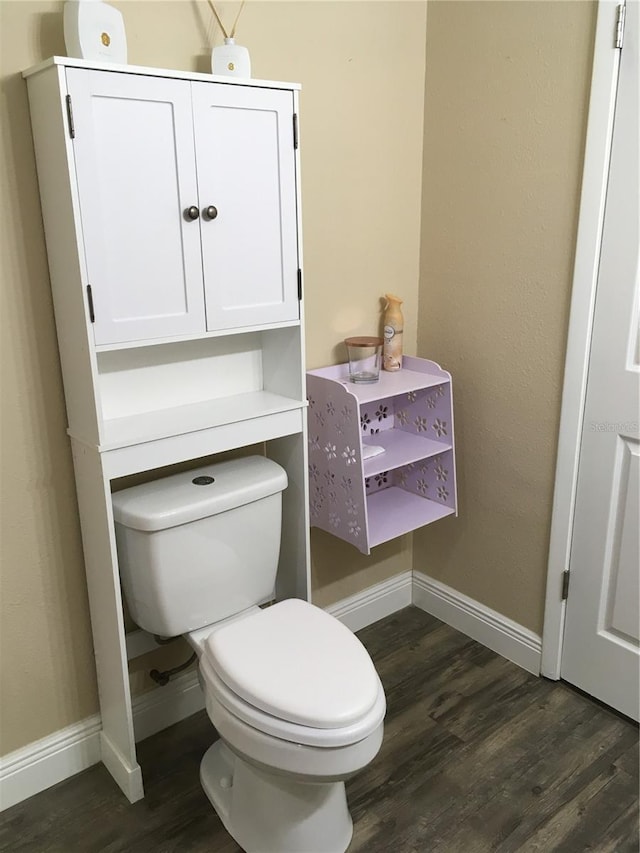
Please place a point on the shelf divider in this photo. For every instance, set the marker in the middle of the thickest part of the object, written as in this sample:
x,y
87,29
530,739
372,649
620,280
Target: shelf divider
x,y
401,448
393,512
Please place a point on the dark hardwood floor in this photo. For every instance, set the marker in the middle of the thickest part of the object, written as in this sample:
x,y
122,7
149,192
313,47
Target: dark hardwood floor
x,y
478,756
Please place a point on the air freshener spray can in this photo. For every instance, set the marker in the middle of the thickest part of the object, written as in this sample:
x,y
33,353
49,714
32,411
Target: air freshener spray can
x,y
393,328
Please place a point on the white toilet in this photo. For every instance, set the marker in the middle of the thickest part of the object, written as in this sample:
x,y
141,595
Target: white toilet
x,y
293,693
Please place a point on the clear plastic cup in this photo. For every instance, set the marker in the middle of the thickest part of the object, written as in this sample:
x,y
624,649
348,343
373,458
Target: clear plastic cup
x,y
365,356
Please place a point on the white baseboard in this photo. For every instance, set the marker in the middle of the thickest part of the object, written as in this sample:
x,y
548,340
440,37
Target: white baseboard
x,y
374,603
43,763
164,706
481,623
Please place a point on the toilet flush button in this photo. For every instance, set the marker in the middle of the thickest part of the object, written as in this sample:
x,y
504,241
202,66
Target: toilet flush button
x,y
203,481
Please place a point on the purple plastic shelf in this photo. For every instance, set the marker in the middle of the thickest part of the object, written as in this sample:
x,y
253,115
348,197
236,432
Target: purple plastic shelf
x,y
409,413
389,384
393,512
401,448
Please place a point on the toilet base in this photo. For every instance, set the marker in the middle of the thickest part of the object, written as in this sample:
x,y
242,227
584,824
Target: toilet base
x,y
269,813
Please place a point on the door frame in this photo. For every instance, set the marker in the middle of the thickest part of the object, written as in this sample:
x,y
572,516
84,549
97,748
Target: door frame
x,y
604,85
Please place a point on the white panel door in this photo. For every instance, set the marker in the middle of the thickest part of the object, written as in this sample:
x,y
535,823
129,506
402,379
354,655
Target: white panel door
x,y
135,167
246,173
600,651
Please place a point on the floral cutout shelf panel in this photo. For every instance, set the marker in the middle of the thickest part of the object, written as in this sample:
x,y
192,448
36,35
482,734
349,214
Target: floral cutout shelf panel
x,y
381,456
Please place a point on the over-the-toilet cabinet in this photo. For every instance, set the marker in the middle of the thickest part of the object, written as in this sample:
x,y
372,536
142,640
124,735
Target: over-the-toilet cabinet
x,y
171,209
188,198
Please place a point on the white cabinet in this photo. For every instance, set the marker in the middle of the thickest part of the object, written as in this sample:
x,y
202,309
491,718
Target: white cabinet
x,y
179,326
187,192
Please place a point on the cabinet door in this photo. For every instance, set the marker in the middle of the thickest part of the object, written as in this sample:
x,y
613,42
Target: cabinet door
x,y
246,171
136,176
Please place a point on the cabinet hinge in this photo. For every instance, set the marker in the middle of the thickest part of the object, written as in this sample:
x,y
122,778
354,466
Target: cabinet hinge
x,y
622,13
565,585
295,130
92,315
299,284
72,127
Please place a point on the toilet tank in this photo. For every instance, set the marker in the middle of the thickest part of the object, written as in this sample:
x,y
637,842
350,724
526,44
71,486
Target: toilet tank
x,y
199,546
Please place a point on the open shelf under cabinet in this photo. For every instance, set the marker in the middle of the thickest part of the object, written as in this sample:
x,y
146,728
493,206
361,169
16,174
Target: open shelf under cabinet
x,y
162,423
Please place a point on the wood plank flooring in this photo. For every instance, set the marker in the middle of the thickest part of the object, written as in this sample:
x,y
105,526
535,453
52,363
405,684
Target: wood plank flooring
x,y
478,756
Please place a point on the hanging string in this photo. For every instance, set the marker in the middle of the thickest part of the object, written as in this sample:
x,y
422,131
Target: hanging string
x,y
219,20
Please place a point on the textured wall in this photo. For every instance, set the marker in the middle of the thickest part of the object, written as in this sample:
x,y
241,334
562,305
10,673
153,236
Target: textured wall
x,y
505,119
46,671
361,133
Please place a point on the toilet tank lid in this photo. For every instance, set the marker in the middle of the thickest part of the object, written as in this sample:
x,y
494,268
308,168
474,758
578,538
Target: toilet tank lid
x,y
198,493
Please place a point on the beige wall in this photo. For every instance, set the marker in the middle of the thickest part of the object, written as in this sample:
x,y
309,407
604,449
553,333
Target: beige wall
x,y
505,118
504,121
361,135
46,668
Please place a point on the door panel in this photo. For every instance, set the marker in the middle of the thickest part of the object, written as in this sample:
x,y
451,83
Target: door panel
x,y
135,168
601,651
246,170
621,567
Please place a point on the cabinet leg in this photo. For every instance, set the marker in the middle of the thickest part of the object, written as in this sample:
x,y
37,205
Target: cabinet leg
x,y
107,620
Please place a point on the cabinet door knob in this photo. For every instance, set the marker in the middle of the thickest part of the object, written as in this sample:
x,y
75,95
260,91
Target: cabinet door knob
x,y
210,212
191,212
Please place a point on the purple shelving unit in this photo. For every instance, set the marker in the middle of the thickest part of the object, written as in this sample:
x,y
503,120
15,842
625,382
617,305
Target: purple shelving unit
x,y
409,413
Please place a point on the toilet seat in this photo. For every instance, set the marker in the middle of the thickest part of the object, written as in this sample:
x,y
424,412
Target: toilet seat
x,y
294,672
284,729
304,761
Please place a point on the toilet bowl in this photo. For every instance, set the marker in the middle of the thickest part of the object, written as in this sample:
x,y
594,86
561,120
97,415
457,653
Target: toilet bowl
x,y
292,692
299,709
